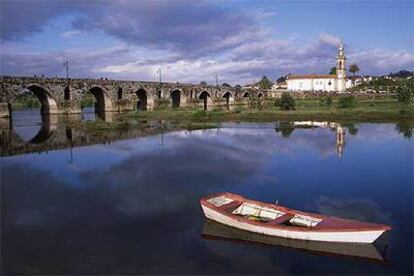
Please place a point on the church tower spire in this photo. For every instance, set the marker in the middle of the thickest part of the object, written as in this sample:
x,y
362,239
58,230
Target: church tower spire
x,y
341,68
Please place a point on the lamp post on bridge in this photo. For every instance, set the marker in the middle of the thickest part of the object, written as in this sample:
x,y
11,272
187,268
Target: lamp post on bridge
x,y
160,81
217,85
66,65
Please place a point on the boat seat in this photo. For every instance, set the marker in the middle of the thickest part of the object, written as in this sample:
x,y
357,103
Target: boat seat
x,y
230,207
282,219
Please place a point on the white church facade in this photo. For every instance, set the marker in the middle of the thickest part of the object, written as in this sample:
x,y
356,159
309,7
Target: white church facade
x,y
327,83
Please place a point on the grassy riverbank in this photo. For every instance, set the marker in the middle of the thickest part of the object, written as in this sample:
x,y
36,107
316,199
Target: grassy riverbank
x,y
384,109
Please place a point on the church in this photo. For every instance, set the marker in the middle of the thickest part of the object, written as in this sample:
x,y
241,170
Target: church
x,y
328,83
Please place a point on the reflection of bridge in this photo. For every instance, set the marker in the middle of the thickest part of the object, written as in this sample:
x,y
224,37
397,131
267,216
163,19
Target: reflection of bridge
x,y
60,132
62,96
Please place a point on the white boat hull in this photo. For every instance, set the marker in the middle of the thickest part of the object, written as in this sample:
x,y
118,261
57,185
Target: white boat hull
x,y
327,236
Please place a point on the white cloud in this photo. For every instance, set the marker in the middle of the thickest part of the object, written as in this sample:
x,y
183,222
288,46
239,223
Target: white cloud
x,y
330,39
70,34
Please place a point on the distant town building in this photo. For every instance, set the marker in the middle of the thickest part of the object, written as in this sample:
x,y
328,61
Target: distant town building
x,y
252,86
281,85
357,80
326,83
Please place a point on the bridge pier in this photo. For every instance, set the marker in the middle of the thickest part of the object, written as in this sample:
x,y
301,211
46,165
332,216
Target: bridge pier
x,y
5,124
123,105
4,110
150,104
70,107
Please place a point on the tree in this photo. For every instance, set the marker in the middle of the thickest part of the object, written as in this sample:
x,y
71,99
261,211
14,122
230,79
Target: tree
x,y
353,68
352,129
285,128
203,83
265,83
238,86
332,71
286,102
226,84
281,79
406,128
405,93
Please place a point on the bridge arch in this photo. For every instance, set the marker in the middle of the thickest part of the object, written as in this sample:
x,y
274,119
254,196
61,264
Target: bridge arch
x,y
48,104
228,96
246,95
176,96
103,101
260,95
142,103
206,97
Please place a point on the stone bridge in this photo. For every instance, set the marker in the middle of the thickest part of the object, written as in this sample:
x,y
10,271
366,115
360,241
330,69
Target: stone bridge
x,y
63,96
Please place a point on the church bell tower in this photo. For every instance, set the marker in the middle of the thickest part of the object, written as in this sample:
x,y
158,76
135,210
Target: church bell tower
x,y
341,69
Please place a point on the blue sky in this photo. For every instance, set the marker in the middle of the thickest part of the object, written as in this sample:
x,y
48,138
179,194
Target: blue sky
x,y
192,41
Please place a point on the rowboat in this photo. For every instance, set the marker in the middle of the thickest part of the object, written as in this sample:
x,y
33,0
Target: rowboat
x,y
214,231
278,221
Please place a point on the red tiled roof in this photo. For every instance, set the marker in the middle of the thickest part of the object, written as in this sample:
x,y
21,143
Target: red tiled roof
x,y
311,77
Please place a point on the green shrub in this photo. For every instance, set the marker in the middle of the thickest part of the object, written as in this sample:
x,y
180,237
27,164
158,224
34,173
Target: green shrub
x,y
217,110
27,100
325,100
286,102
199,114
347,102
87,100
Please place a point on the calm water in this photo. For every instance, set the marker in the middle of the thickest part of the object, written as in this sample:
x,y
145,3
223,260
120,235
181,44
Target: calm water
x,y
132,206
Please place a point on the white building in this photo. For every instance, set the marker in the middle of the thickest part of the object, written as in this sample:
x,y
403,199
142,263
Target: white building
x,y
327,83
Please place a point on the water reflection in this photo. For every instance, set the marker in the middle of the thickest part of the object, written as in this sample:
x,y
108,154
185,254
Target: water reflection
x,y
92,114
30,132
288,127
131,206
216,231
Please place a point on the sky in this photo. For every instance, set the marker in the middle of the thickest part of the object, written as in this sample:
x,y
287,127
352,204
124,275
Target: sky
x,y
193,41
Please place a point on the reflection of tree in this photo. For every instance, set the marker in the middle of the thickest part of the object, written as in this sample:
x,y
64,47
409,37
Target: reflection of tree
x,y
352,129
285,128
405,128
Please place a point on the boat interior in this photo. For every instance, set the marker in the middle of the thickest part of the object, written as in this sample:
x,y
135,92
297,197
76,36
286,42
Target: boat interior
x,y
264,214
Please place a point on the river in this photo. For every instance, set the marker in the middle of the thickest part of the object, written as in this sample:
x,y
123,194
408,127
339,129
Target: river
x,y
131,206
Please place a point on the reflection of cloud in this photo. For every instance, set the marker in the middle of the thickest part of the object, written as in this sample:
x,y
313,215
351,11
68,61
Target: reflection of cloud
x,y
376,133
149,183
262,139
358,209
